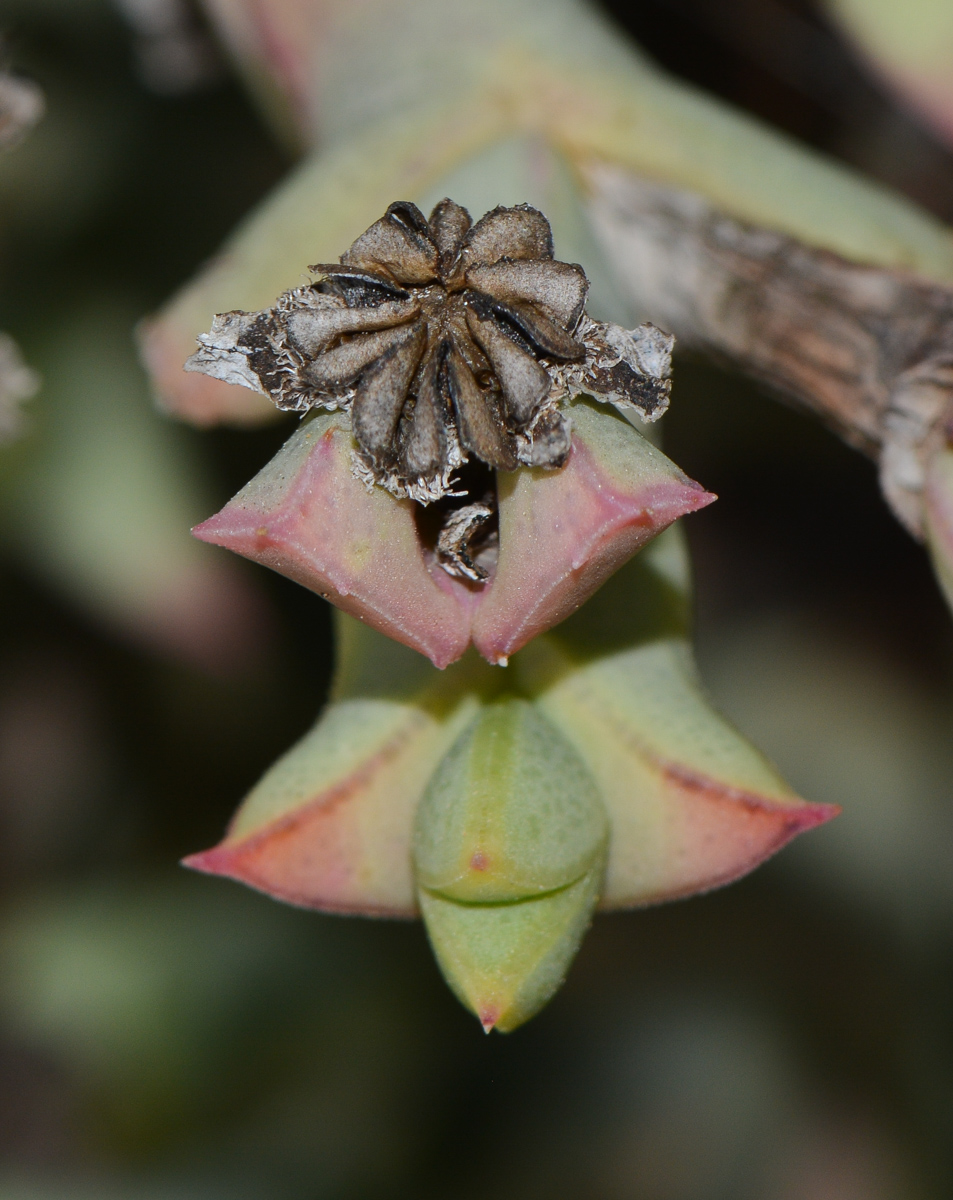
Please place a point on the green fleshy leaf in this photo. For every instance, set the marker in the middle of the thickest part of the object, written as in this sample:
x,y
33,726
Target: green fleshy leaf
x,y
691,803
329,825
509,852
100,495
505,961
511,811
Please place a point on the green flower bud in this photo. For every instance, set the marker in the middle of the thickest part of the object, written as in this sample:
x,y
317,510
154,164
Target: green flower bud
x,y
510,844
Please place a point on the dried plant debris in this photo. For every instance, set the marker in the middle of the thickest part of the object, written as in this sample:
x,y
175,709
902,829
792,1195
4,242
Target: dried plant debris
x,y
18,383
21,106
445,340
868,349
468,544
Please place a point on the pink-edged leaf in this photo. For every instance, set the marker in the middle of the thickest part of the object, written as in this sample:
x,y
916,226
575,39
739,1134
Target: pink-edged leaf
x,y
563,533
306,516
329,825
276,43
692,805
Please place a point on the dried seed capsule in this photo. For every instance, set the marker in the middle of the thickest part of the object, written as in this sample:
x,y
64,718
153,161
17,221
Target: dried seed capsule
x,y
500,341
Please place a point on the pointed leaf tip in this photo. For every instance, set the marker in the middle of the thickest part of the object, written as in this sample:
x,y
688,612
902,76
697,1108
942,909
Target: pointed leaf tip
x,y
509,852
691,804
306,516
329,824
564,533
505,962
488,1018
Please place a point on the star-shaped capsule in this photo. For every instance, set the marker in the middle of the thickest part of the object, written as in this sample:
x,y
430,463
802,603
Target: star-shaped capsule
x,y
445,340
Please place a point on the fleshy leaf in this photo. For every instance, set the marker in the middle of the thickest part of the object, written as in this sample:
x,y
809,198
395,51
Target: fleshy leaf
x,y
329,825
306,516
102,492
938,517
505,961
608,104
563,533
511,812
509,852
691,804
911,46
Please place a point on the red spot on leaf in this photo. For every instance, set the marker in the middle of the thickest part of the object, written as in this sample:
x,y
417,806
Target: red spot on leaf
x,y
488,1018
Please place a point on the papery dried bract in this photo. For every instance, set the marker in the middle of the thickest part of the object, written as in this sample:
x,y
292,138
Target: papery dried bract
x,y
306,516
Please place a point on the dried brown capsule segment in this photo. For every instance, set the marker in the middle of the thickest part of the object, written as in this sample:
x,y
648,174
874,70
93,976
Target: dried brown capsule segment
x,y
520,232
312,330
449,224
399,243
558,288
525,383
545,336
447,341
425,432
378,404
478,417
344,365
354,287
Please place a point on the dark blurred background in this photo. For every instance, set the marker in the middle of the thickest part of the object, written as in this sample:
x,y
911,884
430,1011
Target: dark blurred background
x,y
165,1035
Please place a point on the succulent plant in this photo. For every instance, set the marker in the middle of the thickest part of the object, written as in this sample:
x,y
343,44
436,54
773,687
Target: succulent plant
x,y
448,500
501,805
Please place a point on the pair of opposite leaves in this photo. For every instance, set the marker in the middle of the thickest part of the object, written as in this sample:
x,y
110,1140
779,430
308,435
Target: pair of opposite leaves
x,y
503,804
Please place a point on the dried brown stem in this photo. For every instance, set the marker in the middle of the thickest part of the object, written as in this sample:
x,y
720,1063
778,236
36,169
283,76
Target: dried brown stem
x,y
869,350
